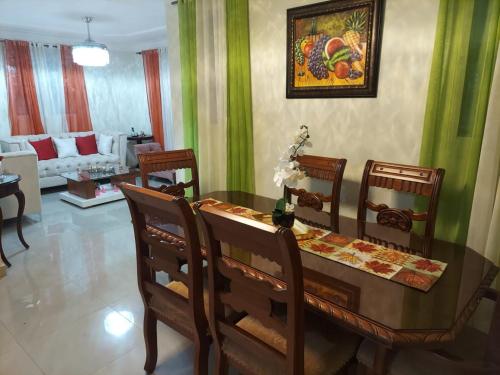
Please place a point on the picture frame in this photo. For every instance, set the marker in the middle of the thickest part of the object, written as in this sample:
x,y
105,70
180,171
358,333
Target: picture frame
x,y
333,49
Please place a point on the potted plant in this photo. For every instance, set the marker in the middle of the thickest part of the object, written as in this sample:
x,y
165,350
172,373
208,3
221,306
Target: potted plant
x,y
287,173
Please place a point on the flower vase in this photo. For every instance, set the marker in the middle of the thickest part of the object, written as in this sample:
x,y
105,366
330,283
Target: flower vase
x,y
282,217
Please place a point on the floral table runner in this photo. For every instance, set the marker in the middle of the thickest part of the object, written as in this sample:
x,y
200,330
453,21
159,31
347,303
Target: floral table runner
x,y
407,269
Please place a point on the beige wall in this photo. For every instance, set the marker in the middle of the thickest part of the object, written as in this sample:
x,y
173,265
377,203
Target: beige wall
x,y
174,61
388,127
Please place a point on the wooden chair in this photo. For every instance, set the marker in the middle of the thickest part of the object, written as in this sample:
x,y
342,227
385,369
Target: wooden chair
x,y
472,353
322,168
419,181
170,160
180,303
270,338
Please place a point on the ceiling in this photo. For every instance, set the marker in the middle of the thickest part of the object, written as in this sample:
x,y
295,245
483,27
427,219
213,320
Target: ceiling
x,y
127,25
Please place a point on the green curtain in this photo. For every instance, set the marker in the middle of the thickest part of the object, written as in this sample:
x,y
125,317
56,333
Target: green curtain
x,y
240,164
464,57
187,36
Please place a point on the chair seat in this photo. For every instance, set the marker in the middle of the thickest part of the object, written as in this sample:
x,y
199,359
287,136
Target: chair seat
x,y
325,350
173,312
181,289
469,346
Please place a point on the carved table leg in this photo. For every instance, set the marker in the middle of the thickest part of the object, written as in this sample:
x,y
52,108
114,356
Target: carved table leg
x,y
2,255
20,211
383,356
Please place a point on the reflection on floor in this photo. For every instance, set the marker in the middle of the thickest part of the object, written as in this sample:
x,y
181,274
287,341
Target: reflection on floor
x,y
70,306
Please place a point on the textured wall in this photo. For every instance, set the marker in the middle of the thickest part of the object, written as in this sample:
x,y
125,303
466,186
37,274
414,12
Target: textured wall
x,y
117,94
386,128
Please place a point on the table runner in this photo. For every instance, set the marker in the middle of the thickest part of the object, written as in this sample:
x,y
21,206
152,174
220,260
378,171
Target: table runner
x,y
407,269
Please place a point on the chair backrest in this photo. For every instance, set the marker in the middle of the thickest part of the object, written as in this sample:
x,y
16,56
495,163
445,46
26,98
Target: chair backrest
x,y
416,180
144,148
159,250
322,168
170,160
231,291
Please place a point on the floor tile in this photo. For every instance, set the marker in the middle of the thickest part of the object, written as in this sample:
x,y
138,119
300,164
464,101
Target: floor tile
x,y
86,345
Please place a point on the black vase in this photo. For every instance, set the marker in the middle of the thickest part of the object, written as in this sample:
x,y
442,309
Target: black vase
x,y
284,219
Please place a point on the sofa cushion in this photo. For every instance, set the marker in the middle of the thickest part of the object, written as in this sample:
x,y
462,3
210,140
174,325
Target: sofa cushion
x,y
44,149
66,147
86,145
55,167
105,144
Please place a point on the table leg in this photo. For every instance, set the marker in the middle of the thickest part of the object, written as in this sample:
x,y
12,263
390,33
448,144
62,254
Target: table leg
x,y
2,255
20,211
383,356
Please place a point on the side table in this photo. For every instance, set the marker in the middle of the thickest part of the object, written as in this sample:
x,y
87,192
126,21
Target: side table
x,y
9,185
138,139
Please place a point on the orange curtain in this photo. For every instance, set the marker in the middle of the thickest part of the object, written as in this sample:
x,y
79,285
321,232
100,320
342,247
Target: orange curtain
x,y
24,113
151,60
75,93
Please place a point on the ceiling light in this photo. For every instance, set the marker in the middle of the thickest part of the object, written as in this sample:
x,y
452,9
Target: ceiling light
x,y
90,53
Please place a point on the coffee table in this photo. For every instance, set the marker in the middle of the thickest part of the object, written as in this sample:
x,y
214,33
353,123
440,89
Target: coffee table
x,y
88,189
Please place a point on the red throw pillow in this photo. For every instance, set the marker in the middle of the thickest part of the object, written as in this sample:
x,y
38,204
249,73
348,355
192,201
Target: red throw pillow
x,y
44,149
86,145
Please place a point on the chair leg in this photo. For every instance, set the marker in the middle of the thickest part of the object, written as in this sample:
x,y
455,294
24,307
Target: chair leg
x,y
221,365
201,352
150,338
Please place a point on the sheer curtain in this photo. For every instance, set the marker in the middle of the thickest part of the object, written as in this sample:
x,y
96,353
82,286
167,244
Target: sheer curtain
x,y
166,99
117,94
484,229
4,103
212,94
48,74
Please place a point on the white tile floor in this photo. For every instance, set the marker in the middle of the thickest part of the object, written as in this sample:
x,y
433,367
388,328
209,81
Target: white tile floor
x,y
70,305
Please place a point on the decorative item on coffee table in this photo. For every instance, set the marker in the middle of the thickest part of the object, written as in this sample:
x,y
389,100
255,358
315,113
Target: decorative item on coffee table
x,y
288,173
96,185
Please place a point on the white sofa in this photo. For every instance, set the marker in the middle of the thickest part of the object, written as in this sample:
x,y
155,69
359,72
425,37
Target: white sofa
x,y
49,170
23,163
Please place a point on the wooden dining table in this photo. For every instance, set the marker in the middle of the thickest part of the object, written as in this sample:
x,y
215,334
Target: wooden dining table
x,y
390,314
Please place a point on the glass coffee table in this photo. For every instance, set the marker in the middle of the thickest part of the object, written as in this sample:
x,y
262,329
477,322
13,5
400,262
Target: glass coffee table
x,y
91,188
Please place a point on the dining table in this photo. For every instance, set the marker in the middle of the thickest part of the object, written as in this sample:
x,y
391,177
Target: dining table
x,y
391,314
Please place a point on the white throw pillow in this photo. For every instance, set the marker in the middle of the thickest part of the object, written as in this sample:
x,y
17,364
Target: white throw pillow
x,y
105,144
66,147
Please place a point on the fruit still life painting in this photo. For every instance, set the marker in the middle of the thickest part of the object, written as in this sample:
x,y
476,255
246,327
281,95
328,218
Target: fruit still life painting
x,y
333,49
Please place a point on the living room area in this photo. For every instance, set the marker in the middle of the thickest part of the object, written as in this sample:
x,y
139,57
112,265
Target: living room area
x,y
69,128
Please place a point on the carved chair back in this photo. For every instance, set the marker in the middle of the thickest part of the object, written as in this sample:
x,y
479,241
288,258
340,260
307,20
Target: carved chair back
x,y
170,160
416,180
322,168
230,291
158,250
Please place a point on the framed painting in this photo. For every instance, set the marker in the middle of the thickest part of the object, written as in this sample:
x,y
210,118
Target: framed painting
x,y
333,49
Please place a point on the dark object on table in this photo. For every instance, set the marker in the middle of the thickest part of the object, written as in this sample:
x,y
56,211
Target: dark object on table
x,y
284,219
411,179
321,168
271,338
138,139
9,185
170,160
179,304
